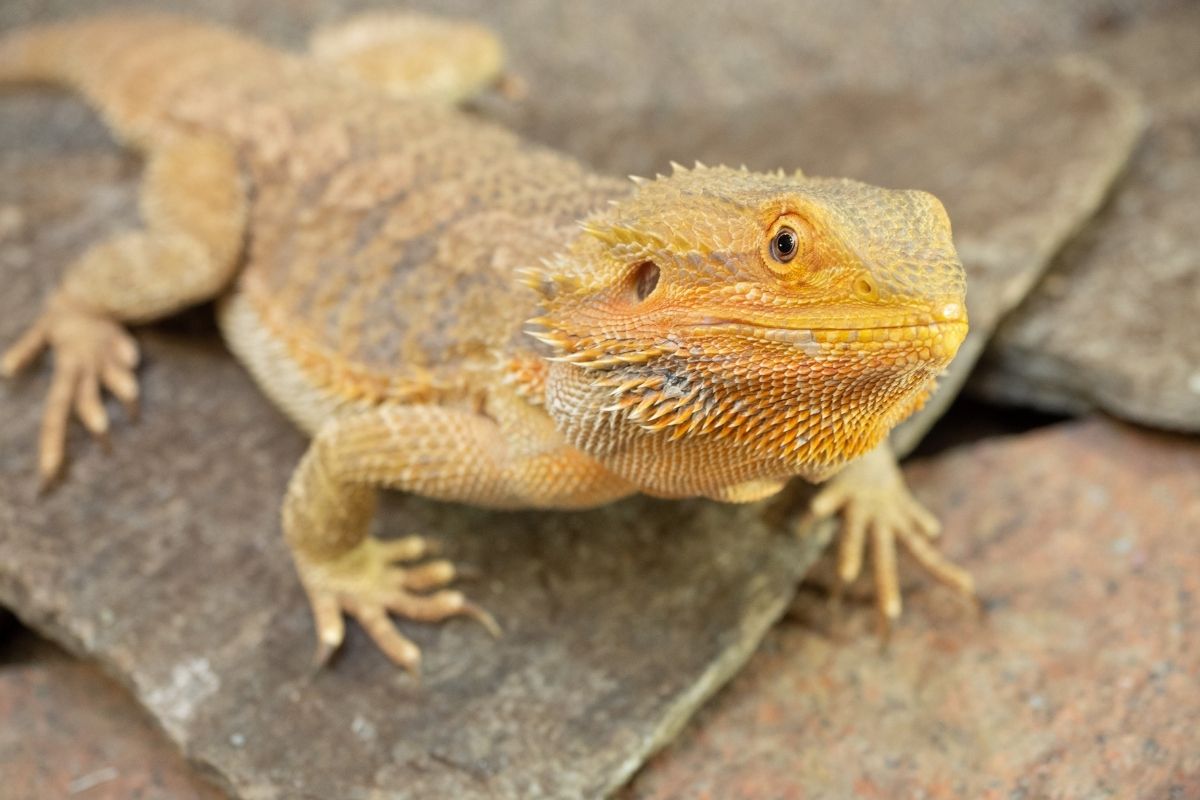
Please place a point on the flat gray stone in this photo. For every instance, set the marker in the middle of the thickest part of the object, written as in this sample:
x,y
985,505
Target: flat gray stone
x,y
586,61
1114,324
1020,202
672,81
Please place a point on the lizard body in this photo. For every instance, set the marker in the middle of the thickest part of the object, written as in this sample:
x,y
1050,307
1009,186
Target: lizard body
x,y
414,287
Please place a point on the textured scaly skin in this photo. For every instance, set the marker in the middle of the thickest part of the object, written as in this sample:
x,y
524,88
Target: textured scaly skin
x,y
413,287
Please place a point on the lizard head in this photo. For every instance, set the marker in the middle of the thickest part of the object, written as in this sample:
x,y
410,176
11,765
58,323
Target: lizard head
x,y
761,325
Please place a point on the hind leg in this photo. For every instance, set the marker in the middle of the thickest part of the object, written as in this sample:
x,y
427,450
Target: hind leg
x,y
414,56
193,206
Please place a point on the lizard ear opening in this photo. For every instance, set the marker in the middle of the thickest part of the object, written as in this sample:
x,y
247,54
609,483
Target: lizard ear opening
x,y
645,277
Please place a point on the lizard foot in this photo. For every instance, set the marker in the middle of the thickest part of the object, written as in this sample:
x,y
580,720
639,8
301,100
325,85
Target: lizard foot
x,y
415,56
877,507
91,351
367,583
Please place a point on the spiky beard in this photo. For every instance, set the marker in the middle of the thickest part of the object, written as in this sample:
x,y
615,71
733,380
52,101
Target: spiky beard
x,y
750,409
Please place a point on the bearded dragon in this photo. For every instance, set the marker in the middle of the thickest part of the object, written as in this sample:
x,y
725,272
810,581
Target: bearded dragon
x,y
451,311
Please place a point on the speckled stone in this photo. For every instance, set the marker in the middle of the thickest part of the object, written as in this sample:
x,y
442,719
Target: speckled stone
x,y
1081,681
69,731
1116,322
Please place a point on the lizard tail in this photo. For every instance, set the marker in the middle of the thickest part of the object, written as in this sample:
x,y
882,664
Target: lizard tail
x,y
27,55
78,53
128,65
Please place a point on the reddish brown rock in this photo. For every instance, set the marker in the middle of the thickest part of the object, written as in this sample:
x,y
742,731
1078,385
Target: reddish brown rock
x,y
69,731
1081,682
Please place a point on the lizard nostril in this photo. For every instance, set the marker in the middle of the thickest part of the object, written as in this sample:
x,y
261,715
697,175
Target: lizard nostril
x,y
646,279
864,288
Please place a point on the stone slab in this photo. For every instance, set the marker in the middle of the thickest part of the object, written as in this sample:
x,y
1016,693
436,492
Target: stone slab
x,y
587,61
1080,683
1116,322
70,731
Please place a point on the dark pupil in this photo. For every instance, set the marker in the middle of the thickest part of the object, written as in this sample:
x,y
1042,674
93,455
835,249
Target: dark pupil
x,y
785,244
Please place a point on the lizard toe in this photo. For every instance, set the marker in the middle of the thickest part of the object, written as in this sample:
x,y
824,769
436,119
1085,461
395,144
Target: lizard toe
x,y
91,351
368,585
878,512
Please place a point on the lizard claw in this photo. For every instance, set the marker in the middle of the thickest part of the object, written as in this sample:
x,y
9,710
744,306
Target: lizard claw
x,y
878,511
368,584
92,352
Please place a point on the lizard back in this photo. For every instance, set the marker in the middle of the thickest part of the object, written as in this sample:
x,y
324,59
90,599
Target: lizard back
x,y
386,242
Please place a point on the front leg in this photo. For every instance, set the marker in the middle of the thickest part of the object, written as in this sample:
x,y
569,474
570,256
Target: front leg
x,y
193,206
437,452
874,501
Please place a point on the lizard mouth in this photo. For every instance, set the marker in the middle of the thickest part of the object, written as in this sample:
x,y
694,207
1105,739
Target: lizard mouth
x,y
906,331
915,323
931,340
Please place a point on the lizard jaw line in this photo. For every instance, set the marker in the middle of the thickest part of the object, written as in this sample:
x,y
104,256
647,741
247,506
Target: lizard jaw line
x,y
916,331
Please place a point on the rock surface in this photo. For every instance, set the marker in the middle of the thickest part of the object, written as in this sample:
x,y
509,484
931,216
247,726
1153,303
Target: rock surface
x,y
1081,681
71,732
587,61
1116,323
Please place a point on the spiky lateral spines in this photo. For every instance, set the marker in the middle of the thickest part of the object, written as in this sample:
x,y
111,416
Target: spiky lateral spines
x,y
589,305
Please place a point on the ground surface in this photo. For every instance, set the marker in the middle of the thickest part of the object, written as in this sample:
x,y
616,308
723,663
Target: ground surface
x,y
1080,682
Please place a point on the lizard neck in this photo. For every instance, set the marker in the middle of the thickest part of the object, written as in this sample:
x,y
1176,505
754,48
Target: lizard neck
x,y
661,463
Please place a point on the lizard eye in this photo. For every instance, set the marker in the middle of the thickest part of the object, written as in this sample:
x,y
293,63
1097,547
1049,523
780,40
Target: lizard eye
x,y
784,245
646,279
